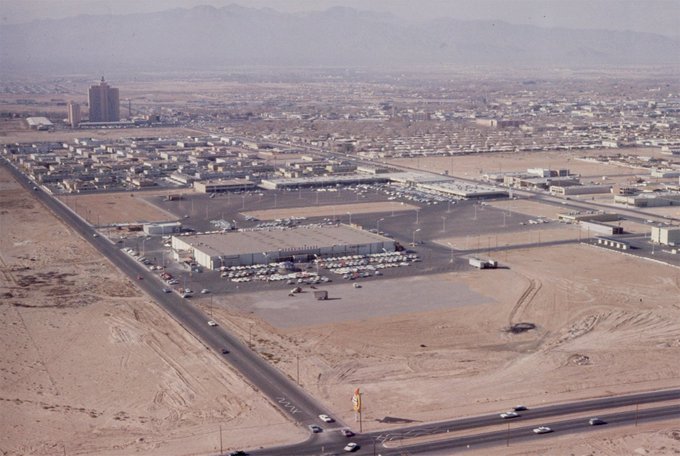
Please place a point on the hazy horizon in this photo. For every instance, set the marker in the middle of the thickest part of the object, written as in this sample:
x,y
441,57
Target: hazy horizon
x,y
653,16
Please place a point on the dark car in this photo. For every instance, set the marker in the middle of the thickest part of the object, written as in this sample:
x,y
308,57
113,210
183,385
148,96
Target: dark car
x,y
225,351
238,453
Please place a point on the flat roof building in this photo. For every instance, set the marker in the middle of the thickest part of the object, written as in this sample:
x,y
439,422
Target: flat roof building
x,y
74,117
223,185
666,235
104,103
247,247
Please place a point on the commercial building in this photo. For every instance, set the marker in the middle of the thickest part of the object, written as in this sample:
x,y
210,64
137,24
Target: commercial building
x,y
39,123
666,235
223,185
74,116
104,103
238,248
561,190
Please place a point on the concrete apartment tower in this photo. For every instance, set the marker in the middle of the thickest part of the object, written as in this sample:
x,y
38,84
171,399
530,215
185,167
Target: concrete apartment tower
x,y
104,103
74,117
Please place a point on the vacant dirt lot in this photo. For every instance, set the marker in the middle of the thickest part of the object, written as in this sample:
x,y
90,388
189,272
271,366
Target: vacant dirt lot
x,y
123,207
90,366
605,323
473,166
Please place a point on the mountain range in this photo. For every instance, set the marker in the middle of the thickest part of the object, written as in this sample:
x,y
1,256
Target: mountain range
x,y
212,38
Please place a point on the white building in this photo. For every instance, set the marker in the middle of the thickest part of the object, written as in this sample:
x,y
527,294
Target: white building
x,y
247,247
666,235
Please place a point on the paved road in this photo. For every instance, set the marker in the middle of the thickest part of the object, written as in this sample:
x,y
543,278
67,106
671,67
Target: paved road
x,y
395,437
302,408
282,391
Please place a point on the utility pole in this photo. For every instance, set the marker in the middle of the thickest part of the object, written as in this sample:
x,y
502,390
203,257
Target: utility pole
x,y
220,439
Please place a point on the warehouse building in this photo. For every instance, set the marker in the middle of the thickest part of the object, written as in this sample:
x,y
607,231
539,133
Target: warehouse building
x,y
666,235
223,185
299,244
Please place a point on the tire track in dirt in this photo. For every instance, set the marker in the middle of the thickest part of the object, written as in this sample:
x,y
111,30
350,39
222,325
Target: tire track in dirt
x,y
525,299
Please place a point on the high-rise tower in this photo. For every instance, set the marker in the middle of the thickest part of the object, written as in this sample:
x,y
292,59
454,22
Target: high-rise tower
x,y
74,114
104,103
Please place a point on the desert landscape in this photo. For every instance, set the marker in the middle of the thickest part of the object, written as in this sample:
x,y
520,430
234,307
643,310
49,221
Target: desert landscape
x,y
80,337
92,366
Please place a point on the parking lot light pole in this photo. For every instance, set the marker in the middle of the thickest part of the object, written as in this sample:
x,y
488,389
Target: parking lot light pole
x,y
377,225
350,217
451,245
417,215
413,241
443,223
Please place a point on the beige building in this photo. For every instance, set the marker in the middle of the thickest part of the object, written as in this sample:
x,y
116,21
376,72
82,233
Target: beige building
x,y
302,243
666,235
74,116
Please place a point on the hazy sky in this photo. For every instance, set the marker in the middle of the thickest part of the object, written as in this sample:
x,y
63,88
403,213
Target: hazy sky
x,y
659,16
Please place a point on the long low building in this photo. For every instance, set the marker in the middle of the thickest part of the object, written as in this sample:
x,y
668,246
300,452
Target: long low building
x,y
223,185
302,243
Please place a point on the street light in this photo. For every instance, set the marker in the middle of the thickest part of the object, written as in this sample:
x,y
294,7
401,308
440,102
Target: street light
x,y
417,215
443,223
377,225
413,241
350,217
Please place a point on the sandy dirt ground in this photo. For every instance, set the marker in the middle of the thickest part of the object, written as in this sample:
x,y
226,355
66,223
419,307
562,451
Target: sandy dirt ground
x,y
606,323
90,366
17,131
102,209
332,210
473,166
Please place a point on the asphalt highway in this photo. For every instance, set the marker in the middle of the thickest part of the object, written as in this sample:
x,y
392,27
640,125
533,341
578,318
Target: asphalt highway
x,y
387,441
297,405
290,399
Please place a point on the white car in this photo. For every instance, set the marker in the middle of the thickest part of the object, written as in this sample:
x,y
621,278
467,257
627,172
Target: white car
x,y
542,430
212,323
326,418
506,415
314,428
205,291
351,446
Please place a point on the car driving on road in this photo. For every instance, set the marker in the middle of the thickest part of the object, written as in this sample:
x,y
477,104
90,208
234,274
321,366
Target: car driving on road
x,y
326,418
506,415
542,430
212,323
351,446
314,428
